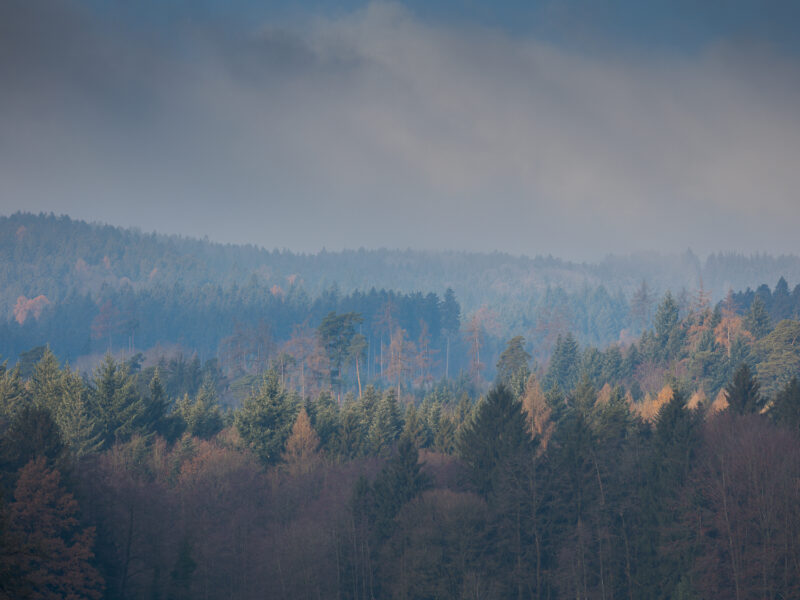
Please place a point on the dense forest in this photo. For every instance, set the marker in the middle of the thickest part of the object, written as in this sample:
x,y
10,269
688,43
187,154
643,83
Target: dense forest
x,y
180,419
542,488
86,290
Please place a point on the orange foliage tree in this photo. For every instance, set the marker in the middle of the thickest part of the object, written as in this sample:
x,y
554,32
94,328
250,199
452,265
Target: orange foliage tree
x,y
46,551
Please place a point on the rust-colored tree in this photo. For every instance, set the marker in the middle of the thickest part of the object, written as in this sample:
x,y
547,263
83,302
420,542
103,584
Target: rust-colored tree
x,y
302,447
49,552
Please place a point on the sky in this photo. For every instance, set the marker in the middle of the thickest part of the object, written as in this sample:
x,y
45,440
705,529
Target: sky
x,y
575,128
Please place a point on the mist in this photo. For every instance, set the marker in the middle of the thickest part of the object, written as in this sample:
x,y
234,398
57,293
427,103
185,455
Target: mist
x,y
380,126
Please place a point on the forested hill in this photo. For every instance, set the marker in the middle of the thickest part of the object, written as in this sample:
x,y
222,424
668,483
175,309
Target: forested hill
x,y
86,289
54,256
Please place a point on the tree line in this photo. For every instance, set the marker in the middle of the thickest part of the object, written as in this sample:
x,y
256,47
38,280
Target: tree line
x,y
536,489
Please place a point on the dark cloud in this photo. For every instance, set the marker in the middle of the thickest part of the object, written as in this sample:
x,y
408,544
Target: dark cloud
x,y
380,128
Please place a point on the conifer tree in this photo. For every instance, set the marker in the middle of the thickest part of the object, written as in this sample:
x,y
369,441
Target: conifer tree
x,y
118,408
497,433
72,415
325,415
46,380
537,413
400,481
513,364
743,392
564,364
758,321
302,447
786,409
386,424
13,394
202,415
265,419
31,434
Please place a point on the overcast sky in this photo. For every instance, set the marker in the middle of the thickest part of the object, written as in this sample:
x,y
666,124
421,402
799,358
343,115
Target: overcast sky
x,y
533,127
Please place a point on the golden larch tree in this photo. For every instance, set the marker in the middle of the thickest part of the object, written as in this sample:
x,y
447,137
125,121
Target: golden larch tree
x,y
537,413
302,447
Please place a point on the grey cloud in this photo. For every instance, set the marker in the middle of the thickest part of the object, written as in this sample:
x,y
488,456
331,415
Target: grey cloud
x,y
379,129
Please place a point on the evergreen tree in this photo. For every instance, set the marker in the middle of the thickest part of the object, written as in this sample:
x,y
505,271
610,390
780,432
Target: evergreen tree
x,y
13,394
265,419
779,354
400,481
513,364
451,323
415,427
337,332
386,424
564,364
781,301
743,392
496,434
116,404
324,415
786,408
31,434
202,415
668,333
45,382
758,321
72,415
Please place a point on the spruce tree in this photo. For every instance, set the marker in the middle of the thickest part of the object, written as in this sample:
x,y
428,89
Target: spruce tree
x,y
497,433
117,406
758,321
400,481
73,417
386,424
786,408
513,364
564,364
265,419
13,394
743,392
202,415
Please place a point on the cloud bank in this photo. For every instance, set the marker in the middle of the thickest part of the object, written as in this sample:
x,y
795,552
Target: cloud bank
x,y
379,128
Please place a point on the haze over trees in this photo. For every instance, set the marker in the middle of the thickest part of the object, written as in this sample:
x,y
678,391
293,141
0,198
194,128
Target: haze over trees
x,y
218,437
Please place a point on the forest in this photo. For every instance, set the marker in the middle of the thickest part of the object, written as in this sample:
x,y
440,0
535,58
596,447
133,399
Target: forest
x,y
174,427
